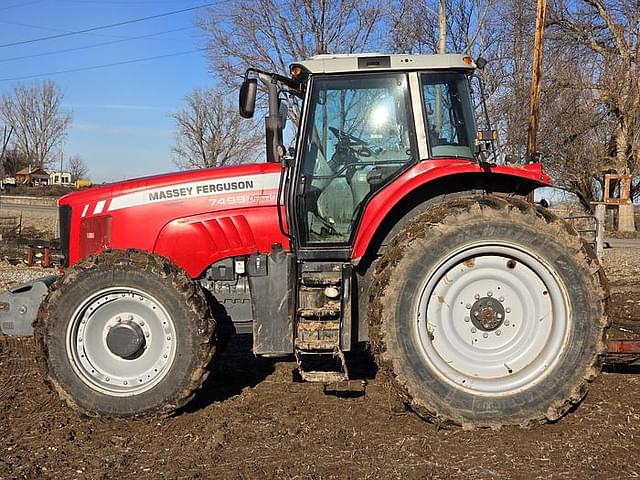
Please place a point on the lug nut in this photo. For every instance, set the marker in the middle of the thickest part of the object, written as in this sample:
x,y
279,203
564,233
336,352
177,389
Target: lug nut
x,y
485,335
129,317
501,299
477,296
498,332
118,319
473,330
468,306
467,319
489,294
506,323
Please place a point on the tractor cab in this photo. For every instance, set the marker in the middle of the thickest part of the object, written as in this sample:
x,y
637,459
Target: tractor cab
x,y
364,120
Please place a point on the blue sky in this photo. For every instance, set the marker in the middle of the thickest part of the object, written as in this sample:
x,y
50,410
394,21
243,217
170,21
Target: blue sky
x,y
121,124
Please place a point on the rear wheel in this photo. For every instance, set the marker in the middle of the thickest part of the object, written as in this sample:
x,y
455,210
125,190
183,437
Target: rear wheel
x,y
125,334
488,312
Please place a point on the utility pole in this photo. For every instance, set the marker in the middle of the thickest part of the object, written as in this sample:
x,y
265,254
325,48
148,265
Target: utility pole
x,y
536,79
442,49
442,27
5,140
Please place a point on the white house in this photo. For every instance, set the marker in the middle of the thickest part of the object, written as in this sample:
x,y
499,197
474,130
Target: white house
x,y
60,178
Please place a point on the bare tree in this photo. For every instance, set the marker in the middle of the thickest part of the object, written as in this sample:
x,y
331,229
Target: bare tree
x,y
77,167
40,125
13,161
210,133
437,26
271,34
608,34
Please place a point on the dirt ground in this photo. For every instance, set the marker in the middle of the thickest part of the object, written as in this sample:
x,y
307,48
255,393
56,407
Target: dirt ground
x,y
252,420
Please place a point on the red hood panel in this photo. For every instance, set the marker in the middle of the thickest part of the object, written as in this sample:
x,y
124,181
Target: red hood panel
x,y
186,216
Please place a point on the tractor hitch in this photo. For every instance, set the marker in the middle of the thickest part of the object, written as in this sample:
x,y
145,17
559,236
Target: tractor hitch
x,y
19,306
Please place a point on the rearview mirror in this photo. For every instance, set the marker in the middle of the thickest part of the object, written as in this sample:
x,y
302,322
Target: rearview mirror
x,y
247,98
283,111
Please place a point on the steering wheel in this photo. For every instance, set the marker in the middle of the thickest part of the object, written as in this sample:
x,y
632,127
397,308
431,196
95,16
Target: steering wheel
x,y
347,139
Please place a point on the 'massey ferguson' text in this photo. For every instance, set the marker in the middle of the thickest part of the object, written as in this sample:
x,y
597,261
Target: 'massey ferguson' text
x,y
188,191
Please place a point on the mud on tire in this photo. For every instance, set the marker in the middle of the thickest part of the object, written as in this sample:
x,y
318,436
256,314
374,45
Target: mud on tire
x,y
161,309
425,294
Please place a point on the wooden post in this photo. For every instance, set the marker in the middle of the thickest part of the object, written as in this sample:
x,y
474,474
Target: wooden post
x,y
536,78
601,210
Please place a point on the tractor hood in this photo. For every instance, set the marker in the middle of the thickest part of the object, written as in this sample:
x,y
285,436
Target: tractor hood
x,y
195,217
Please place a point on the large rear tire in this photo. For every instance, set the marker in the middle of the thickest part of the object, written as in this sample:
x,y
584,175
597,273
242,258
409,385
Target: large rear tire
x,y
487,312
125,334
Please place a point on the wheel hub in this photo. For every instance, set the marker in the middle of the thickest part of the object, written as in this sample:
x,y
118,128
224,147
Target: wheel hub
x,y
509,335
126,340
121,341
487,314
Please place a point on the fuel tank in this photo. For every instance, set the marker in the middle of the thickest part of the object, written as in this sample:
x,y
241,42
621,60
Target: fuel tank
x,y
195,218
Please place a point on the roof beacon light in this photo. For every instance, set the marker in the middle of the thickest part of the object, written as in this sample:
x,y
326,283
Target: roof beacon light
x,y
297,71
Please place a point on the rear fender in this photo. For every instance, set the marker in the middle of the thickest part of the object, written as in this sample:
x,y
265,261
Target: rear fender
x,y
431,181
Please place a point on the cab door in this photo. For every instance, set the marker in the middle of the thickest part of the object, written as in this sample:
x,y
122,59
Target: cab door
x,y
357,136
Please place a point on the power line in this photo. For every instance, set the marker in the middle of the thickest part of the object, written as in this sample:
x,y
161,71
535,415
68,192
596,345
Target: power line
x,y
52,29
119,2
103,27
22,4
105,65
95,45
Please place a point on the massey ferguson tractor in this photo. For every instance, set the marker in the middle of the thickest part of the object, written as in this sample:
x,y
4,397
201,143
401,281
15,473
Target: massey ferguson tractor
x,y
388,224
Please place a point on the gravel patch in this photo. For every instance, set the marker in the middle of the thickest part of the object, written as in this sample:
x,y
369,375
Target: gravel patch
x,y
13,275
39,221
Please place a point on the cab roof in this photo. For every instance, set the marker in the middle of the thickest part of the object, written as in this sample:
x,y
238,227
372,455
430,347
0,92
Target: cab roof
x,y
337,63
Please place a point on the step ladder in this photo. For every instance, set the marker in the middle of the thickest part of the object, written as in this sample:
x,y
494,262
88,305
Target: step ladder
x,y
319,322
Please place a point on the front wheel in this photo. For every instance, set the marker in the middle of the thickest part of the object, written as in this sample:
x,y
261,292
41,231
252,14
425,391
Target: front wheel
x,y
125,334
488,312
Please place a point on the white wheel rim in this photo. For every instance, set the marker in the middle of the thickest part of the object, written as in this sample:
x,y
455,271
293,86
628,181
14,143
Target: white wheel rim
x,y
478,356
93,361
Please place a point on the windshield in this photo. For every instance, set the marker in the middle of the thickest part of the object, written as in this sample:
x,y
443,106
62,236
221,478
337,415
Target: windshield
x,y
358,137
448,114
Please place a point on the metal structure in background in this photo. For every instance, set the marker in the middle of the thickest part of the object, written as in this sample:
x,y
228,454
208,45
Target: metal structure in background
x,y
591,228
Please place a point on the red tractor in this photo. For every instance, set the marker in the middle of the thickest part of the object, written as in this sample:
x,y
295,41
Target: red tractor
x,y
387,224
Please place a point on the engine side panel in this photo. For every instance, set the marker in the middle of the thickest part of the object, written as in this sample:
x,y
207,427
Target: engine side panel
x,y
198,241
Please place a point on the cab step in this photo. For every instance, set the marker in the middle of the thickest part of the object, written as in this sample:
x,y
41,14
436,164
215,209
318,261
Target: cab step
x,y
328,367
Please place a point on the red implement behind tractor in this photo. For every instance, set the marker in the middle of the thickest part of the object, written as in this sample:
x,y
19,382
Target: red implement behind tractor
x,y
389,223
